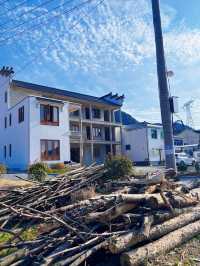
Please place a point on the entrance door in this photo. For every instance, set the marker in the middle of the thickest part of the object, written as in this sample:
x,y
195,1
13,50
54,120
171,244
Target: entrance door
x,y
75,154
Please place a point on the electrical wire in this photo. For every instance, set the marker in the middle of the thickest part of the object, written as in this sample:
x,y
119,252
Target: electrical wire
x,y
15,7
27,12
30,62
43,24
60,35
36,18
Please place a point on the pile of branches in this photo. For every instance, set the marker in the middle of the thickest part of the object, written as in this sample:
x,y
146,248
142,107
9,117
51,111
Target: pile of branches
x,y
137,219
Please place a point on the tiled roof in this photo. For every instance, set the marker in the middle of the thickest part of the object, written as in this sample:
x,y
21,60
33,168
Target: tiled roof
x,y
127,119
71,94
179,127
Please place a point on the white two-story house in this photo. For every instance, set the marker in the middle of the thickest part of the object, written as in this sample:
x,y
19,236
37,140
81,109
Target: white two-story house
x,y
40,123
143,143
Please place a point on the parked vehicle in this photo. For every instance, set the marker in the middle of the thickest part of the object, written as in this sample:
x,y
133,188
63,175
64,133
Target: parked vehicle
x,y
196,155
184,158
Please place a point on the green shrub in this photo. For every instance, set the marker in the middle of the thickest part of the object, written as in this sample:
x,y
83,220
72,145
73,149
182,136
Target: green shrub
x,y
3,169
38,171
182,167
197,167
117,166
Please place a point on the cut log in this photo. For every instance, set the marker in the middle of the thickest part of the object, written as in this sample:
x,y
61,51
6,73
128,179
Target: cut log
x,y
163,245
148,220
123,242
143,182
10,259
111,213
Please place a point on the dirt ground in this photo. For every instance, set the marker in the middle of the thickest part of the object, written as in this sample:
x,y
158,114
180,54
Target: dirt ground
x,y
11,184
186,255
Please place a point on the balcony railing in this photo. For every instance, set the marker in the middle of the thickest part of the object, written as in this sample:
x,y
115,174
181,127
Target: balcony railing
x,y
75,134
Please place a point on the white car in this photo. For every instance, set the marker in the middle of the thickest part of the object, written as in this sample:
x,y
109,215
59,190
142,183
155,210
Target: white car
x,y
196,155
183,157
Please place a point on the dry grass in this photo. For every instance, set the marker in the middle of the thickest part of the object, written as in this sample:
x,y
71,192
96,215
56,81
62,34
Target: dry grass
x,y
4,182
83,194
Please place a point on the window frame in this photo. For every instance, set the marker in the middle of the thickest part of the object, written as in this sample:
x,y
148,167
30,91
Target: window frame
x,y
6,97
10,119
10,150
106,115
96,113
48,115
97,132
154,133
5,151
128,147
5,122
45,156
21,114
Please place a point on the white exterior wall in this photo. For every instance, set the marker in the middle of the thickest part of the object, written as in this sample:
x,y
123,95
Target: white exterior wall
x,y
155,146
39,132
137,139
17,133
189,137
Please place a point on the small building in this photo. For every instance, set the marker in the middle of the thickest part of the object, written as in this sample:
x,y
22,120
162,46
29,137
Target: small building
x,y
143,143
40,123
185,135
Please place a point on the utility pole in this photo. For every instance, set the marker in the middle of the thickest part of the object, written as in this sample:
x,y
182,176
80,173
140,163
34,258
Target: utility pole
x,y
163,88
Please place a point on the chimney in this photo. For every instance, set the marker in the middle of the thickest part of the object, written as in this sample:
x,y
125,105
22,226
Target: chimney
x,y
6,71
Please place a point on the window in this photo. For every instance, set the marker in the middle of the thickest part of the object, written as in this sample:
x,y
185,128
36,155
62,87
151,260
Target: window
x,y
5,151
154,134
21,114
128,147
87,112
75,114
5,122
112,116
96,113
97,152
107,133
50,150
88,133
178,142
10,120
96,132
106,115
162,134
113,134
6,97
10,150
49,115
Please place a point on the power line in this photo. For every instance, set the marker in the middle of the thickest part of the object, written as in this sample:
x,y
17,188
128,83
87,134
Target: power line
x,y
15,7
35,18
39,24
55,40
27,12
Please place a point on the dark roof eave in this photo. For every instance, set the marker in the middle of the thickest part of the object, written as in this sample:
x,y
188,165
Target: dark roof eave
x,y
41,88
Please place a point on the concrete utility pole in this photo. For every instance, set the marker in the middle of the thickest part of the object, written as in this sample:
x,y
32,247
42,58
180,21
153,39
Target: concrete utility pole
x,y
163,88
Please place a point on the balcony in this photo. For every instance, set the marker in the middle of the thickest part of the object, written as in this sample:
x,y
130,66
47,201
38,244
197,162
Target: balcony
x,y
74,112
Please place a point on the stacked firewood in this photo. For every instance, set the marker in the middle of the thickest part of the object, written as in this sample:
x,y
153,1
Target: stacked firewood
x,y
134,219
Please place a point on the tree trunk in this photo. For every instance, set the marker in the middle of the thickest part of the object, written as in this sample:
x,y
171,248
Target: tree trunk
x,y
121,243
163,245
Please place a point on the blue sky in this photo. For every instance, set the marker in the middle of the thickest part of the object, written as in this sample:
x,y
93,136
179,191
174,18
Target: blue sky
x,y
110,47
